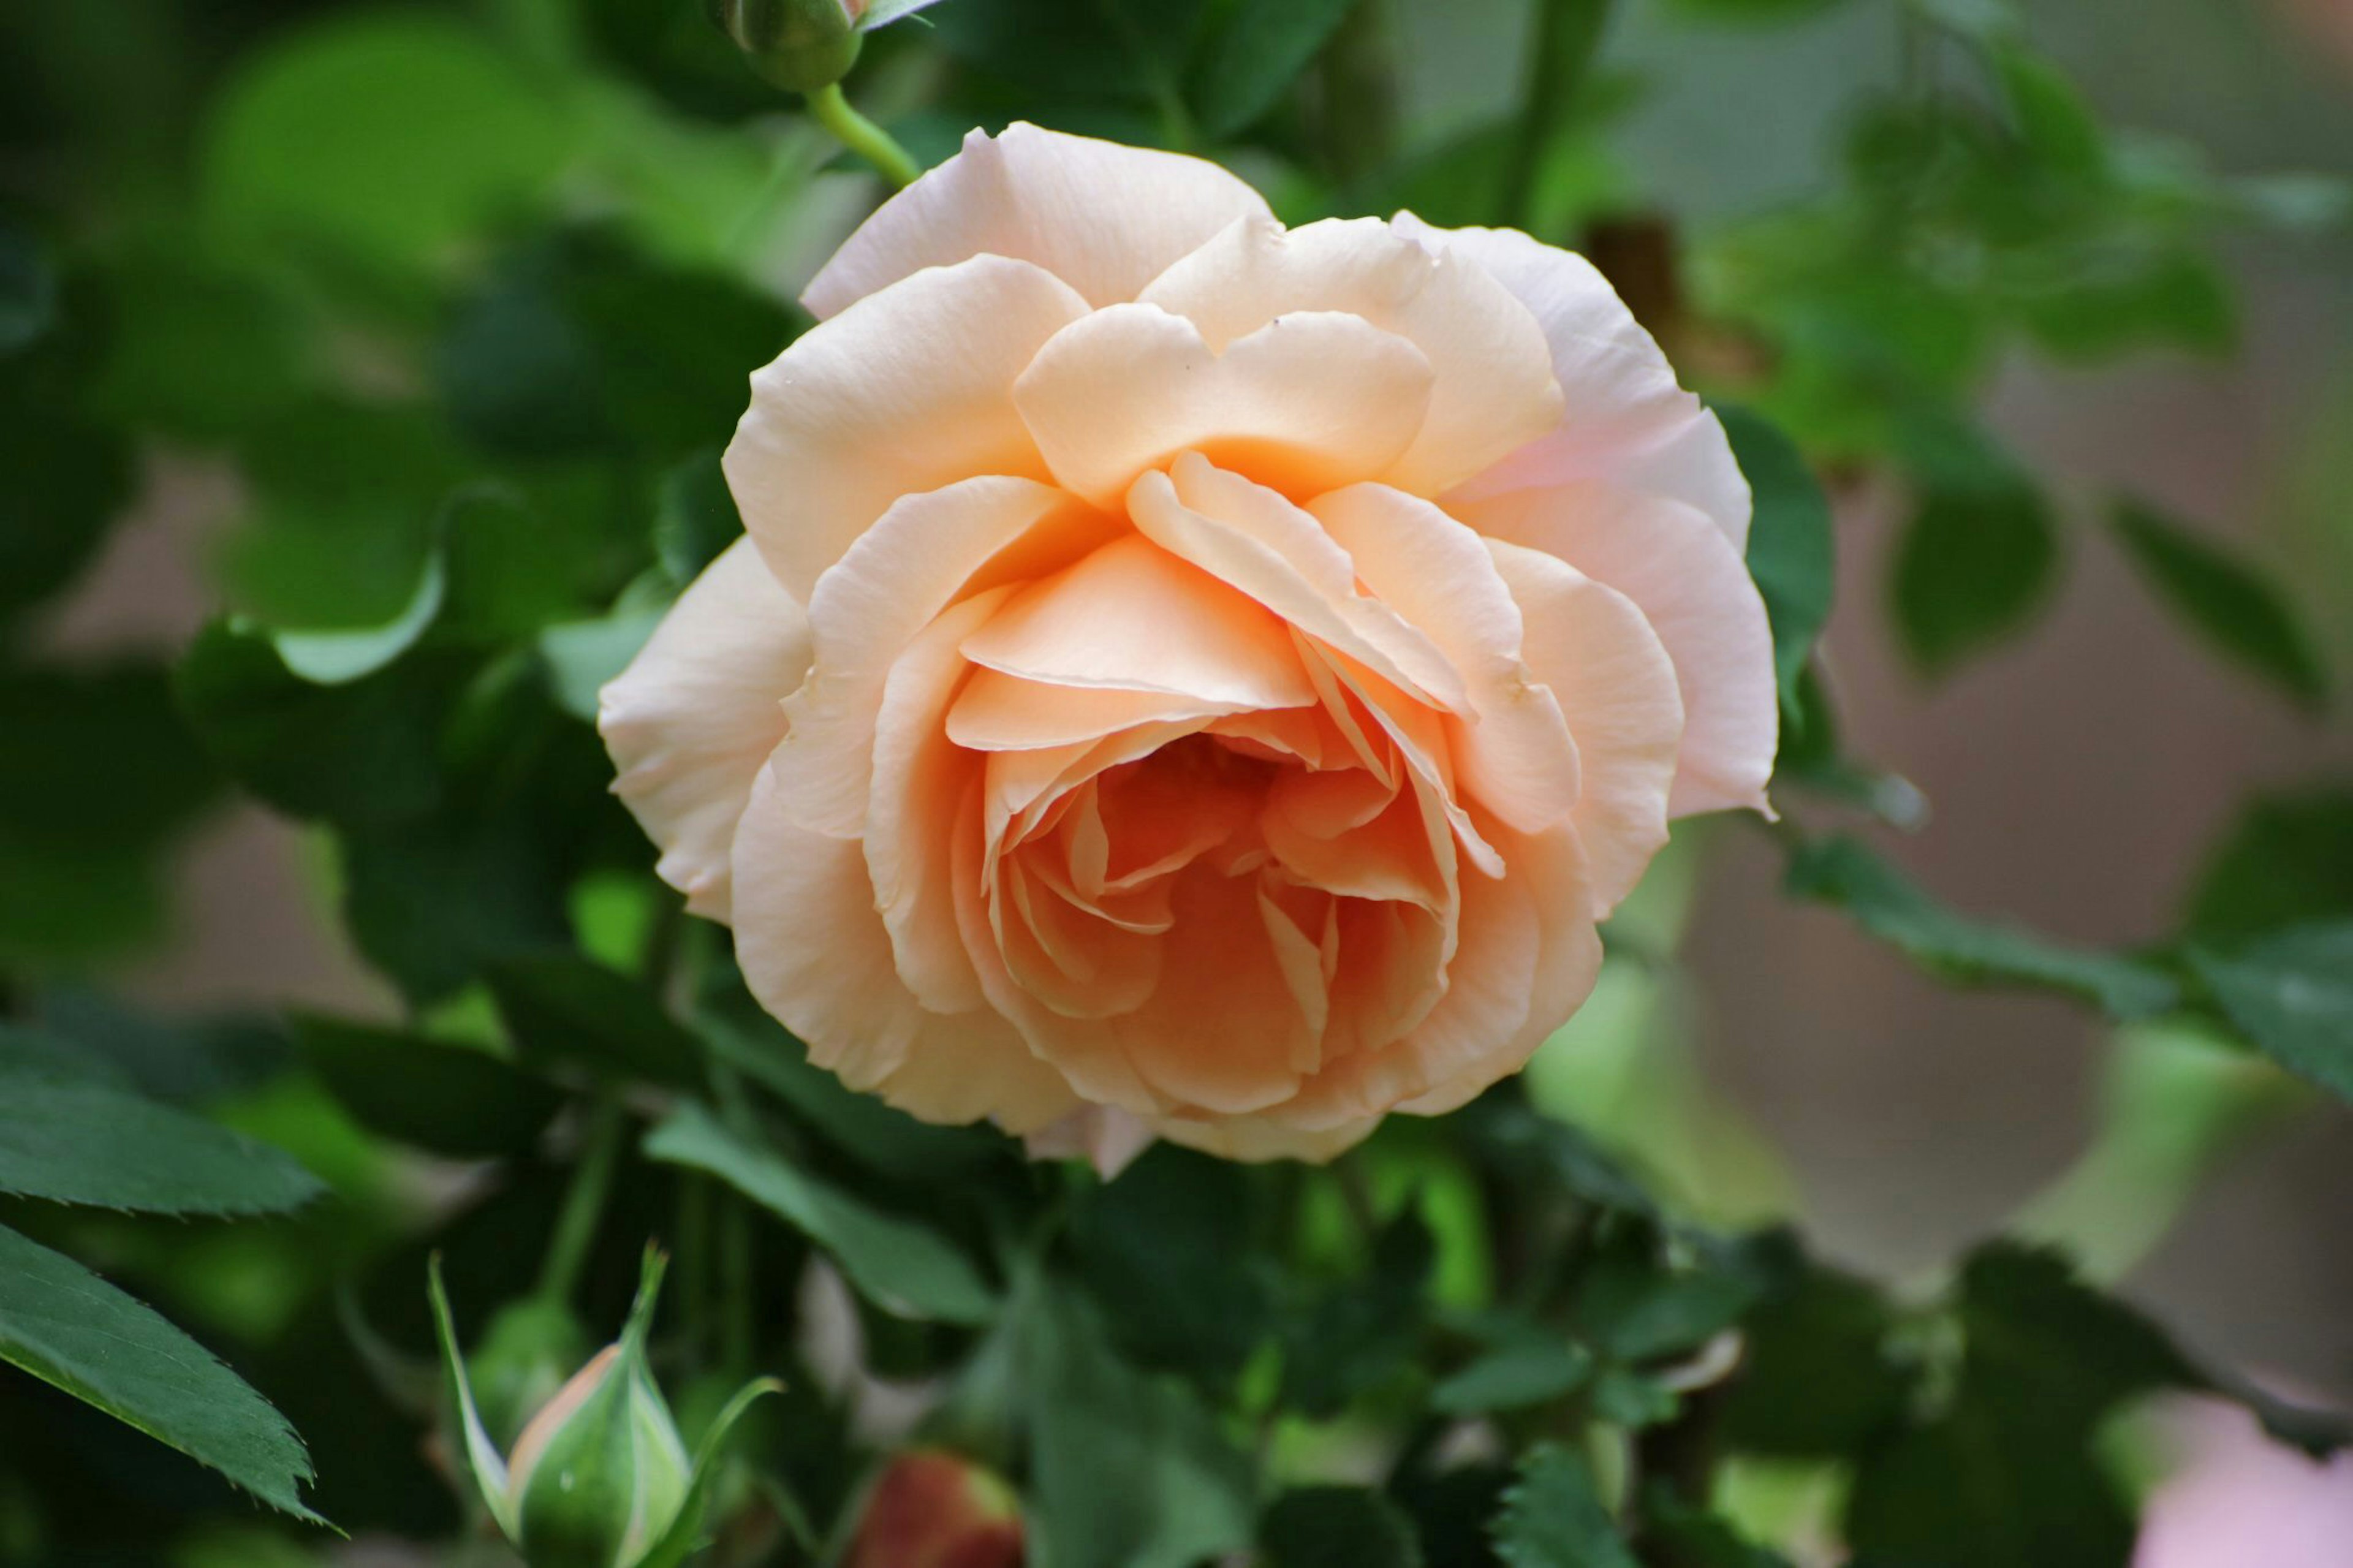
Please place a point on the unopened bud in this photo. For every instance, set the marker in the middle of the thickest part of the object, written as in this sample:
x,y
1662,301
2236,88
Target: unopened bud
x,y
799,44
932,1509
528,1350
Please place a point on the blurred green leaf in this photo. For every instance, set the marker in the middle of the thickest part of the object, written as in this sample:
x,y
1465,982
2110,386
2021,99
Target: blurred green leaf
x,y
2241,613
197,350
83,828
898,1262
1972,566
1337,1527
29,286
1252,53
565,1011
1789,543
388,135
449,1100
1635,1305
2112,299
1753,11
1820,1377
30,1053
349,753
1552,1516
69,1328
1109,48
89,1143
69,478
583,656
1358,1333
1699,1539
2291,993
338,657
674,49
1528,1366
1173,1250
1128,1471
2288,860
2005,1476
1884,902
696,519
579,344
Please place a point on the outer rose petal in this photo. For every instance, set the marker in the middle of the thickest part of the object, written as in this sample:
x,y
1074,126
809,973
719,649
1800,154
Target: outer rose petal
x,y
1628,423
817,956
1265,1138
1675,563
1308,402
908,392
696,713
1106,1138
1617,688
1106,219
1495,391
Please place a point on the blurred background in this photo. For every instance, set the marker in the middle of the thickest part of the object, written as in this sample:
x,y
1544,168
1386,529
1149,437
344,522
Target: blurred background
x,y
285,197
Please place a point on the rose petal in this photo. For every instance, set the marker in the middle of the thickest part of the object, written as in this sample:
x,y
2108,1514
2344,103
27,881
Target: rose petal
x,y
1106,1139
1628,423
1106,219
894,580
1306,403
696,713
1514,750
1678,567
816,956
1592,646
907,391
1493,390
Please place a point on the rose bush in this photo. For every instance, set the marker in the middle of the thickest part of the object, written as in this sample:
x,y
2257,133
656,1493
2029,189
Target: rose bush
x,y
1190,677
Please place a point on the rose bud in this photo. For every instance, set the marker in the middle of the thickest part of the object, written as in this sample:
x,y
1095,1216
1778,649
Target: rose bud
x,y
799,44
526,1356
932,1509
599,1477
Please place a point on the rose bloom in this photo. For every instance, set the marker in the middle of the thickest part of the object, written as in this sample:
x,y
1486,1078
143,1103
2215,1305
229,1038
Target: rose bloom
x,y
1188,678
2239,1500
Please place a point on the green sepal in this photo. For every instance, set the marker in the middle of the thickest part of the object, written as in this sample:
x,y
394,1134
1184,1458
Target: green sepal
x,y
483,1461
685,1533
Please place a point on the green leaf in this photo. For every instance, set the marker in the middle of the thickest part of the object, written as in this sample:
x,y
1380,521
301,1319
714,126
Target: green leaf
x,y
1842,871
1699,1539
339,658
581,656
70,478
1820,1377
2226,601
387,135
1119,49
37,1054
563,1010
2291,993
196,351
2288,860
1362,1332
1973,565
1634,1304
900,1263
1530,1366
484,1466
1337,1527
686,1533
349,752
68,1327
1789,543
1128,1470
2007,1475
28,287
696,517
1174,1250
1552,1517
1254,53
446,1099
1754,12
89,1143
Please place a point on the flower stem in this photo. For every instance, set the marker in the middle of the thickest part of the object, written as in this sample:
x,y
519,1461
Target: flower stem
x,y
1567,33
863,136
583,1204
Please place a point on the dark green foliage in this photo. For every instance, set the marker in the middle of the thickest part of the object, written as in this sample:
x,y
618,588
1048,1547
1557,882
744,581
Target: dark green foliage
x,y
1362,1331
2242,614
2286,860
1791,546
1974,563
81,1142
2291,993
565,1012
1173,1252
1821,1374
1552,1517
448,1098
1337,1527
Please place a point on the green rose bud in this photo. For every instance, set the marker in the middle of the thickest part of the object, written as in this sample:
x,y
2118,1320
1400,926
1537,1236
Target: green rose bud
x,y
599,1477
799,44
527,1353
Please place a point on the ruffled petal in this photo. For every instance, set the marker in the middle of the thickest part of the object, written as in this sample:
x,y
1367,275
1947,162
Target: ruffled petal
x,y
817,956
1513,751
1592,646
1307,403
1693,587
696,713
908,391
1493,390
1105,219
899,574
1628,423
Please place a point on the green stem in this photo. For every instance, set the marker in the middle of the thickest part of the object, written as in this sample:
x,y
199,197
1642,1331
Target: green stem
x,y
1567,33
583,1204
863,136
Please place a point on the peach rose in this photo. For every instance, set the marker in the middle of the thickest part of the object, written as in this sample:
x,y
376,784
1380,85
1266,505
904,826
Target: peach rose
x,y
1190,678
